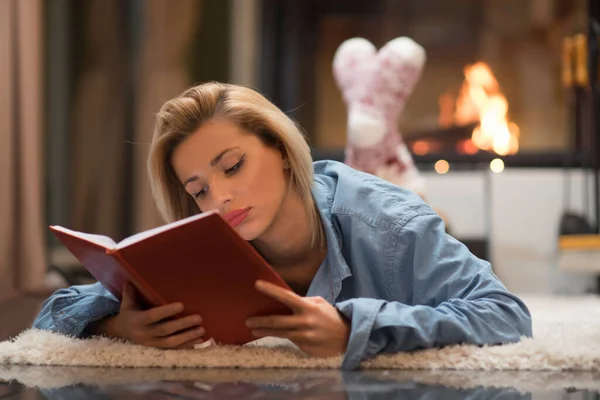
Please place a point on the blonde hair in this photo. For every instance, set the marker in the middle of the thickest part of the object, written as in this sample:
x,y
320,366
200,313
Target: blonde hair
x,y
182,116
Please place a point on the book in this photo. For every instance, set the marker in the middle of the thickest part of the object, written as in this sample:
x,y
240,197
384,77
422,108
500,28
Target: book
x,y
200,261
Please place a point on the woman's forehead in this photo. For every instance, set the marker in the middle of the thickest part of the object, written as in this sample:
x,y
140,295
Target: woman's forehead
x,y
209,144
214,137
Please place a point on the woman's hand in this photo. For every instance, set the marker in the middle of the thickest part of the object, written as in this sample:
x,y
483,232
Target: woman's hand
x,y
154,327
316,326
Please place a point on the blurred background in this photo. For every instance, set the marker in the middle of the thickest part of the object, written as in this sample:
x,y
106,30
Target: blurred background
x,y
81,81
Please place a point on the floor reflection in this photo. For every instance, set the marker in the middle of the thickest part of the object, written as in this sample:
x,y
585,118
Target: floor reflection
x,y
32,382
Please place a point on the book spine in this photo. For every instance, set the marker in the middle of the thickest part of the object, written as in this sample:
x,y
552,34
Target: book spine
x,y
148,294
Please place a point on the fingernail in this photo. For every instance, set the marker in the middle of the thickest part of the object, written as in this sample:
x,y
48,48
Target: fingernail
x,y
200,331
198,319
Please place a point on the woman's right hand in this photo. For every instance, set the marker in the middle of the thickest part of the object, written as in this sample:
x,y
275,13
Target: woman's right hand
x,y
153,327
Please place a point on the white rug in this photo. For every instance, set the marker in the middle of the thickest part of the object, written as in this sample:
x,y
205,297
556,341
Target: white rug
x,y
56,377
566,337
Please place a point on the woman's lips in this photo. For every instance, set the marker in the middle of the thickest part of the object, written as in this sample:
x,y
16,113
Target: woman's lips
x,y
236,217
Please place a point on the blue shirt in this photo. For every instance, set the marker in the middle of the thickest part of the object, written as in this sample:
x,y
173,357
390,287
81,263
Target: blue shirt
x,y
391,268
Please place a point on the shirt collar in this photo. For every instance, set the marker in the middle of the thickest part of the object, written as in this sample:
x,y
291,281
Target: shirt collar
x,y
327,283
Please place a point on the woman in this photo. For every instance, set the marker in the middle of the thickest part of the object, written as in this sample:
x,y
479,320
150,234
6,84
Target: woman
x,y
370,264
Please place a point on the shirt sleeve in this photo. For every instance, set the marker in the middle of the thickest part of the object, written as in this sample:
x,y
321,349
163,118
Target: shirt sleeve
x,y
69,311
456,299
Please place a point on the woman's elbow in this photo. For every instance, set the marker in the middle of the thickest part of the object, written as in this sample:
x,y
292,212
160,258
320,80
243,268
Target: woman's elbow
x,y
524,321
518,317
44,319
506,319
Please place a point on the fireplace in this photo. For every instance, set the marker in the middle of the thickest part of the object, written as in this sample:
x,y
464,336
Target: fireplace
x,y
492,85
494,94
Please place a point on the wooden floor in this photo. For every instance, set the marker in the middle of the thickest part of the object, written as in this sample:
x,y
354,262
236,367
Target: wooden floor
x,y
17,314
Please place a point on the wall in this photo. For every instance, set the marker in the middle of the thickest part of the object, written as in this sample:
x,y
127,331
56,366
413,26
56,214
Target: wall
x,y
521,209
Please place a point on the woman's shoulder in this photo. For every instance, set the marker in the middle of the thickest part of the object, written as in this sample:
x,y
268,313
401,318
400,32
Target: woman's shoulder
x,y
344,192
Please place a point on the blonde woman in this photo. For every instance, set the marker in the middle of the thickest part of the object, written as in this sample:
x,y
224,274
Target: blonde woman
x,y
371,267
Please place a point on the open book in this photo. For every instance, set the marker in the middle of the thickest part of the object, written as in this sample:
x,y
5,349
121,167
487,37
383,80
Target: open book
x,y
200,261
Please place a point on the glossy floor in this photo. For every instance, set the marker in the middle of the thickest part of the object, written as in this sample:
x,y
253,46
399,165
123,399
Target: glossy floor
x,y
34,382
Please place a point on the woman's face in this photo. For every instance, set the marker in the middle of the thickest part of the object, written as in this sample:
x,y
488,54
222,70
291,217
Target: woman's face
x,y
227,168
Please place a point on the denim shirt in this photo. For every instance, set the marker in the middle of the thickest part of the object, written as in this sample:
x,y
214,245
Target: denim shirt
x,y
391,269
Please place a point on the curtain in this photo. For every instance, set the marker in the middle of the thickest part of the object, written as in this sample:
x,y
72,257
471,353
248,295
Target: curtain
x,y
22,230
98,120
169,30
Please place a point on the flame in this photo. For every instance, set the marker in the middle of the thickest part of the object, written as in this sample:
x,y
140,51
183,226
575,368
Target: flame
x,y
420,147
481,100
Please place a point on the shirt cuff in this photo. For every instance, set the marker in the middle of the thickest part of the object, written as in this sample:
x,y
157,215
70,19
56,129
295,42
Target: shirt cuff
x,y
362,313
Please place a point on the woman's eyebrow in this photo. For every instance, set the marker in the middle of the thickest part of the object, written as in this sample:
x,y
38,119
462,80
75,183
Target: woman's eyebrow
x,y
214,162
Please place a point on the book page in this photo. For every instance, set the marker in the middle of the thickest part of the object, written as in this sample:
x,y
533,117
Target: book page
x,y
138,237
100,240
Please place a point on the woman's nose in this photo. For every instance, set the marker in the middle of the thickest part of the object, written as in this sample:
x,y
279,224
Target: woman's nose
x,y
221,194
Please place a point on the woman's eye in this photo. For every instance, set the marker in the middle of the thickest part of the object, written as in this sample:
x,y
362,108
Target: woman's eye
x,y
236,167
200,193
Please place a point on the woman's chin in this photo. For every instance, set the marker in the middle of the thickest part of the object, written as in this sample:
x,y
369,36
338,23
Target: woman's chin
x,y
246,232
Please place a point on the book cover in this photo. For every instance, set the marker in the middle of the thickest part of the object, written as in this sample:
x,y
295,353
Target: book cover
x,y
199,261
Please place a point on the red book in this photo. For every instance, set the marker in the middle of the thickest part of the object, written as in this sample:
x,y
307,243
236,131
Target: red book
x,y
200,261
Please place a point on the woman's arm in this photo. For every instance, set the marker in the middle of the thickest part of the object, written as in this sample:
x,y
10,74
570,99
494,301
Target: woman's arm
x,y
69,311
456,298
87,310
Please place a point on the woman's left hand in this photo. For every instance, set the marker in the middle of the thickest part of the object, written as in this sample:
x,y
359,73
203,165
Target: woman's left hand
x,y
316,326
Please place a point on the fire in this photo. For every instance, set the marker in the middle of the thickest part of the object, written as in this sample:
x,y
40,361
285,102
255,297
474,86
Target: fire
x,y
481,100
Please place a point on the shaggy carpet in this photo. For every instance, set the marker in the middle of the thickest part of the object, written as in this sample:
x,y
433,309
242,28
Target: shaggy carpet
x,y
566,338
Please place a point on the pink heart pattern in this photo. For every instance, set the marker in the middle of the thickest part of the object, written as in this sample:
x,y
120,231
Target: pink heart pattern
x,y
375,86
